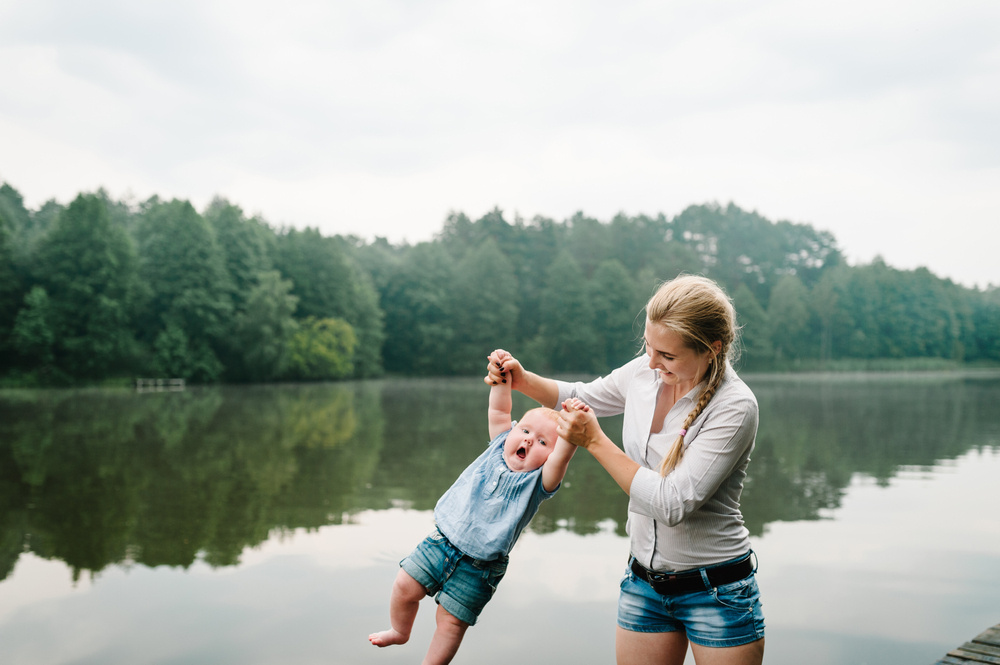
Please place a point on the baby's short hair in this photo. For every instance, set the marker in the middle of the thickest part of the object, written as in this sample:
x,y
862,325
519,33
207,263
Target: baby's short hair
x,y
551,414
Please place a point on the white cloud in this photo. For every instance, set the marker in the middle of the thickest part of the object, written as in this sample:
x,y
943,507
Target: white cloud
x,y
874,120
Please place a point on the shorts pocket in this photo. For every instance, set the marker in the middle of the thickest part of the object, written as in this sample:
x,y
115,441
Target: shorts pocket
x,y
493,572
740,596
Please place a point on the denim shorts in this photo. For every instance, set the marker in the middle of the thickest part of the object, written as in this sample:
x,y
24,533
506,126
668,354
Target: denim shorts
x,y
460,584
724,616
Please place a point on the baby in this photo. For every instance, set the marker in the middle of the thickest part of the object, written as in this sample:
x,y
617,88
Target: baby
x,y
478,521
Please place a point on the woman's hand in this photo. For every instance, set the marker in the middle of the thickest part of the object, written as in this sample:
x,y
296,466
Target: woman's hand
x,y
503,368
578,424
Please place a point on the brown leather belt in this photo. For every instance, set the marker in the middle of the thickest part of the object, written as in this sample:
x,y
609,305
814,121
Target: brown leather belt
x,y
672,584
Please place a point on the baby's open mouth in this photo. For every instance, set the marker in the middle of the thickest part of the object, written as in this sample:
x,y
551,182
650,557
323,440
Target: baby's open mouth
x,y
521,453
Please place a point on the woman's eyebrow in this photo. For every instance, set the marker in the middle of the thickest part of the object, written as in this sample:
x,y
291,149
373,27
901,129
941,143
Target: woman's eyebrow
x,y
661,352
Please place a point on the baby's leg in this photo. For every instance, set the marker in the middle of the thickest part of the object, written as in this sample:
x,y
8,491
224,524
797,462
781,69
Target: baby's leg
x,y
447,638
403,605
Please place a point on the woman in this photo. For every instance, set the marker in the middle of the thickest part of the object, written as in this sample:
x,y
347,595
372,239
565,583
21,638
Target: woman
x,y
689,428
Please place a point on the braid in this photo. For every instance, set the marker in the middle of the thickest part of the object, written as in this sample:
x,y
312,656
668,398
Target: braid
x,y
676,452
699,311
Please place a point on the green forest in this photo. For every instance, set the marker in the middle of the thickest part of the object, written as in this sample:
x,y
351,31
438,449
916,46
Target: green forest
x,y
104,290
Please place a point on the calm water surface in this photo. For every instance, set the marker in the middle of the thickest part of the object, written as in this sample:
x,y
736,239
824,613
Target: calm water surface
x,y
264,524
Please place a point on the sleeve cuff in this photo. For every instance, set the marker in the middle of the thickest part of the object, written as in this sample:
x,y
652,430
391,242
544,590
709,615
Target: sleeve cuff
x,y
642,493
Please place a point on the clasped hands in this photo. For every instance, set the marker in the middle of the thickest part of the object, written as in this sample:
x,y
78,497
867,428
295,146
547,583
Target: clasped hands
x,y
577,423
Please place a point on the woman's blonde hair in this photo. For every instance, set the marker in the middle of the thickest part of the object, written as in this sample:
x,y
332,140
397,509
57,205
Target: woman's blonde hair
x,y
697,309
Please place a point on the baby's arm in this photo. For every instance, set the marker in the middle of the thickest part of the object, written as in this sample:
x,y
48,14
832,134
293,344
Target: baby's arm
x,y
554,469
501,403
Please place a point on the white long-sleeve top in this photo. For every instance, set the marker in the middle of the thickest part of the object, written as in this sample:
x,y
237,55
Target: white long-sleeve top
x,y
691,517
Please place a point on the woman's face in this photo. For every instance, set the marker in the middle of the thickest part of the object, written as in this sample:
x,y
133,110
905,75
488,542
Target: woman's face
x,y
676,362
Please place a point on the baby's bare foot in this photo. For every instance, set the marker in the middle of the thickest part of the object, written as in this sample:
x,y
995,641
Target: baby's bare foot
x,y
387,638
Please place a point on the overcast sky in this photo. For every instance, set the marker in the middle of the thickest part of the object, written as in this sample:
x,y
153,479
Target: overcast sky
x,y
876,120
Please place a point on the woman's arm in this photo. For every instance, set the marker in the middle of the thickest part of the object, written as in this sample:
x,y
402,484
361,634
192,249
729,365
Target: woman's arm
x,y
581,428
504,368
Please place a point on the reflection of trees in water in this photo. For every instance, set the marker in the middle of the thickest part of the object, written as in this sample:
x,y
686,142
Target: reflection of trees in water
x,y
98,477
101,477
816,433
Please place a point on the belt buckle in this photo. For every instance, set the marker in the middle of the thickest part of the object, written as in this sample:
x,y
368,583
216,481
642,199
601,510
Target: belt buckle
x,y
653,576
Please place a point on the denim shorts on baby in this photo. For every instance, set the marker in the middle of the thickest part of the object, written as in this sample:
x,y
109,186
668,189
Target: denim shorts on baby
x,y
460,584
724,616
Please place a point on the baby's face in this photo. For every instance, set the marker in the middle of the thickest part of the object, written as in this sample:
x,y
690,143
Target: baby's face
x,y
530,443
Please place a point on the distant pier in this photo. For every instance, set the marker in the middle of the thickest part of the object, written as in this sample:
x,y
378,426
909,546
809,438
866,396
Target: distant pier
x,y
983,648
158,385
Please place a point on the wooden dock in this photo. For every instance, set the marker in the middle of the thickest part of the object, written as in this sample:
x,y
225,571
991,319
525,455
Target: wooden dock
x,y
158,385
983,648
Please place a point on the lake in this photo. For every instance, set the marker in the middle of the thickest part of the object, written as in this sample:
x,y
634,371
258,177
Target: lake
x,y
264,524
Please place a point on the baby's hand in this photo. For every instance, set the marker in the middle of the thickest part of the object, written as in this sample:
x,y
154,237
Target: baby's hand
x,y
500,356
496,373
577,423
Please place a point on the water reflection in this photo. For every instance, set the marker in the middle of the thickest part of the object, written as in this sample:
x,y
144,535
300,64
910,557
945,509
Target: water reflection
x,y
816,432
103,477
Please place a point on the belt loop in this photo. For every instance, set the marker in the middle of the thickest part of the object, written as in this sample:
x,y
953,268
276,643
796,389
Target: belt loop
x,y
704,578
756,561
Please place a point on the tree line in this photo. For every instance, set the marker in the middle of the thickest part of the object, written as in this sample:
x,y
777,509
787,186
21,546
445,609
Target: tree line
x,y
101,289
